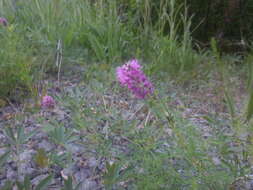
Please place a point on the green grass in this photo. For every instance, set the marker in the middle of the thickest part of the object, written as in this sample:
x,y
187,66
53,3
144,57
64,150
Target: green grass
x,y
105,32
162,149
143,144
15,64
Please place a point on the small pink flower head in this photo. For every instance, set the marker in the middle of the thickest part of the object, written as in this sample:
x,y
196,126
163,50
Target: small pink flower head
x,y
123,71
3,21
131,76
47,102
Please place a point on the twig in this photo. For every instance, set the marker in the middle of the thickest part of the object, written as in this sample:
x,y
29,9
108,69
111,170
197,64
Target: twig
x,y
131,117
147,118
58,61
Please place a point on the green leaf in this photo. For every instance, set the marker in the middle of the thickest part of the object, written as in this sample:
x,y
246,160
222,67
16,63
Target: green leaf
x,y
27,183
214,48
112,172
7,186
230,103
41,158
29,135
20,185
250,107
68,184
4,157
8,131
44,183
20,135
2,103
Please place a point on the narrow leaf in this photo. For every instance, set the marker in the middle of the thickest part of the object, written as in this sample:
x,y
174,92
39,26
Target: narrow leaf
x,y
250,107
44,183
230,103
68,184
7,186
4,157
27,183
19,185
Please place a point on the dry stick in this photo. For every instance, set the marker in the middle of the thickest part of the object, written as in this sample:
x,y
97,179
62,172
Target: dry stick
x,y
132,116
147,118
59,59
105,105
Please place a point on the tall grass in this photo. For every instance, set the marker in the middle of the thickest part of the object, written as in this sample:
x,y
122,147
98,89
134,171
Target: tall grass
x,y
165,35
105,32
110,33
15,65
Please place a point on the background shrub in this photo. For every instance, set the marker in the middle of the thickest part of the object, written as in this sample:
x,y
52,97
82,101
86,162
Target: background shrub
x,y
15,64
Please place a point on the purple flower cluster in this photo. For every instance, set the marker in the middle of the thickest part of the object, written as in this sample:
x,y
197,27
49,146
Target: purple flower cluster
x,y
47,102
3,21
131,76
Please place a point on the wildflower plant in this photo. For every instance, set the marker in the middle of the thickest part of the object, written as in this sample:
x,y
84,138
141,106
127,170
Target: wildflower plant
x,y
130,75
47,102
3,21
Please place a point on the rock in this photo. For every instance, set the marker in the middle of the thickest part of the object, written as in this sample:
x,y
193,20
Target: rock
x,y
88,184
92,162
2,137
11,174
82,174
26,168
2,182
242,183
2,151
45,145
26,155
38,179
39,135
75,148
216,161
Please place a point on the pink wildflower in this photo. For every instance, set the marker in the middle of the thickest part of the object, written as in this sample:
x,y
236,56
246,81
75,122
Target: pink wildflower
x,y
47,102
3,21
131,76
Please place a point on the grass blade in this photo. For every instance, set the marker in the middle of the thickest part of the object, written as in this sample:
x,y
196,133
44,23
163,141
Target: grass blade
x,y
4,157
250,107
44,183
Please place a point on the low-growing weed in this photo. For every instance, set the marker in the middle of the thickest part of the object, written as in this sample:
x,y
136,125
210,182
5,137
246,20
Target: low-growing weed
x,y
160,151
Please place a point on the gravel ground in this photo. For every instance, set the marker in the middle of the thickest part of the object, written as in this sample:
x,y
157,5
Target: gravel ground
x,y
194,102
